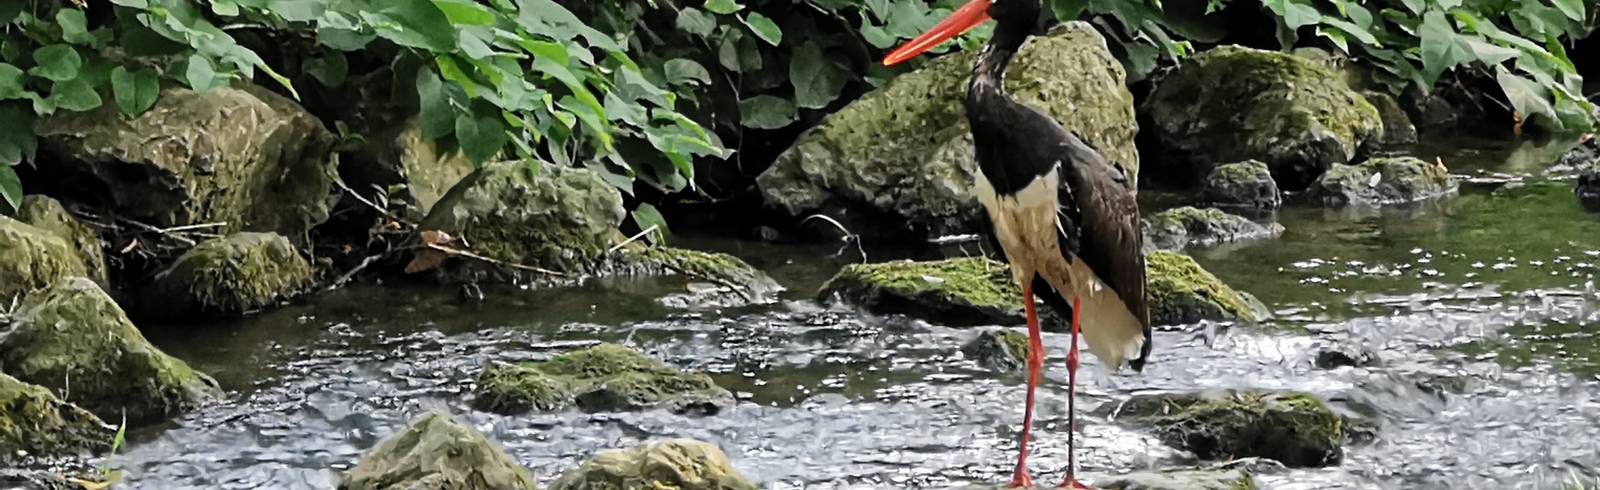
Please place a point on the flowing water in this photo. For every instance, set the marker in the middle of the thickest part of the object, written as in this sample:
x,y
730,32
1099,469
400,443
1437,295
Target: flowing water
x,y
1481,307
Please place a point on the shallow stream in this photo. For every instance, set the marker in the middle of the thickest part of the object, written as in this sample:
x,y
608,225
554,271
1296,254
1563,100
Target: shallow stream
x,y
1481,307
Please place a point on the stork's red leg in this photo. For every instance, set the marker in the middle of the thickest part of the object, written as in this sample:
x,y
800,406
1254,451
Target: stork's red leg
x,y
1020,478
1072,395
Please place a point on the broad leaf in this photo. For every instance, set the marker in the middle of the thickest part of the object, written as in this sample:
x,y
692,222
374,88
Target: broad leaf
x,y
1574,9
1526,96
645,217
465,12
683,70
414,23
74,95
1293,13
10,82
1441,47
764,28
200,75
16,134
10,186
766,112
482,133
435,115
134,91
74,27
330,69
723,6
695,21
297,10
56,62
817,80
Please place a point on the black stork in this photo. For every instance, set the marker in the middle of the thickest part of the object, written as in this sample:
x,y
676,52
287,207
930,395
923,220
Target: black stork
x,y
1065,218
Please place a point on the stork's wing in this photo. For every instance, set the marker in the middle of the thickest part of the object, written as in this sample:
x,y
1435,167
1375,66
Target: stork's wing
x,y
1097,199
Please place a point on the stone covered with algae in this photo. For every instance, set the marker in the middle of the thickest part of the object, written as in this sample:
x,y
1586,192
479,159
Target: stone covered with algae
x,y
603,378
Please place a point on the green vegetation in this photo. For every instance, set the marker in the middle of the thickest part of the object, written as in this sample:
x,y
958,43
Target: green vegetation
x,y
606,377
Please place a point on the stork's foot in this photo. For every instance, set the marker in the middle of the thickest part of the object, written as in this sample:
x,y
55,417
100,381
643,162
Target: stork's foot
x,y
1073,483
1020,479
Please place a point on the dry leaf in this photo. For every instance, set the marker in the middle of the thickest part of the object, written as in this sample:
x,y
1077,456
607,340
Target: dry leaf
x,y
131,245
436,237
433,252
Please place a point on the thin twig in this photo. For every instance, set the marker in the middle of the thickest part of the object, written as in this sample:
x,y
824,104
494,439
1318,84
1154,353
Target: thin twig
x,y
631,239
194,227
370,204
352,272
146,227
471,255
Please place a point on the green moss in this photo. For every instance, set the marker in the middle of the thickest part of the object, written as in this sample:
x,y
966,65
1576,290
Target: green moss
x,y
606,377
726,270
73,338
47,214
1181,291
35,422
1400,180
961,291
554,217
676,464
230,275
1294,428
1000,350
435,451
32,258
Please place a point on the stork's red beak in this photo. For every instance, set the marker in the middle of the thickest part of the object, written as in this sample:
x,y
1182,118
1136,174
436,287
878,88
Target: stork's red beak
x,y
964,19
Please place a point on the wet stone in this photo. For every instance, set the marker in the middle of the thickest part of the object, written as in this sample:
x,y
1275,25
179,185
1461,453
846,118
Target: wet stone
x,y
1382,181
1345,355
49,215
1587,187
1397,127
1185,227
603,378
1182,292
34,422
437,452
680,464
1246,184
32,258
230,275
714,279
961,292
999,350
1296,429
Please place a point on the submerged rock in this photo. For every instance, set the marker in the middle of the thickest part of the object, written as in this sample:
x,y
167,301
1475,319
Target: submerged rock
x,y
1180,480
903,156
47,214
549,216
603,378
32,258
1397,127
33,422
1297,429
1180,228
962,291
732,281
679,464
436,452
1231,104
1588,187
1000,350
72,338
1181,292
1246,184
1345,355
245,157
1381,181
230,275
398,157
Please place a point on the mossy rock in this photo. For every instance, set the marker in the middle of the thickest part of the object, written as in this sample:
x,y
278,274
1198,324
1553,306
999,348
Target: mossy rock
x,y
34,422
1383,181
1246,184
1182,292
230,275
999,350
1180,228
1397,127
549,216
47,214
900,159
603,378
678,464
1588,187
436,452
72,338
733,282
1296,429
32,258
246,157
398,158
1231,104
962,291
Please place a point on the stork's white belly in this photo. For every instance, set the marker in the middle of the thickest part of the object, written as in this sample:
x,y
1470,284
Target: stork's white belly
x,y
1027,225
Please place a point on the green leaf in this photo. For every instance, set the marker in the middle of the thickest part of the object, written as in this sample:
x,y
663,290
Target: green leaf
x,y
683,70
1293,13
465,13
1441,49
877,37
414,23
482,133
330,69
225,8
200,75
344,39
817,80
1573,9
10,186
74,95
11,86
764,28
1353,31
695,21
723,6
134,91
16,133
647,216
1525,95
56,62
766,112
728,50
1067,10
435,115
297,10
10,10
1491,54
74,27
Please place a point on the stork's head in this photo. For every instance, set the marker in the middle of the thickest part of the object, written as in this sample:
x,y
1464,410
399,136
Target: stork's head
x,y
1006,12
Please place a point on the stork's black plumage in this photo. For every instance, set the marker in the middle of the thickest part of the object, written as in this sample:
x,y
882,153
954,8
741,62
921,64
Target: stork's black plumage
x,y
1064,216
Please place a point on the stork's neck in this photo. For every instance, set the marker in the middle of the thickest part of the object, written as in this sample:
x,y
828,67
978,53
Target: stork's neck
x,y
987,86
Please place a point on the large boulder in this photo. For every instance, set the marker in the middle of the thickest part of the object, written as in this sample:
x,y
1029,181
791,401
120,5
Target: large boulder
x,y
1381,181
962,291
1231,104
523,215
241,156
715,279
72,338
436,452
33,258
1397,127
1296,429
230,275
414,170
1182,292
1246,184
679,464
1180,228
47,214
1588,187
903,154
603,378
34,422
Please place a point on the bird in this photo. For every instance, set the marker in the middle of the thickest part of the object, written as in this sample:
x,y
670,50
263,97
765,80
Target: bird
x,y
1064,217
